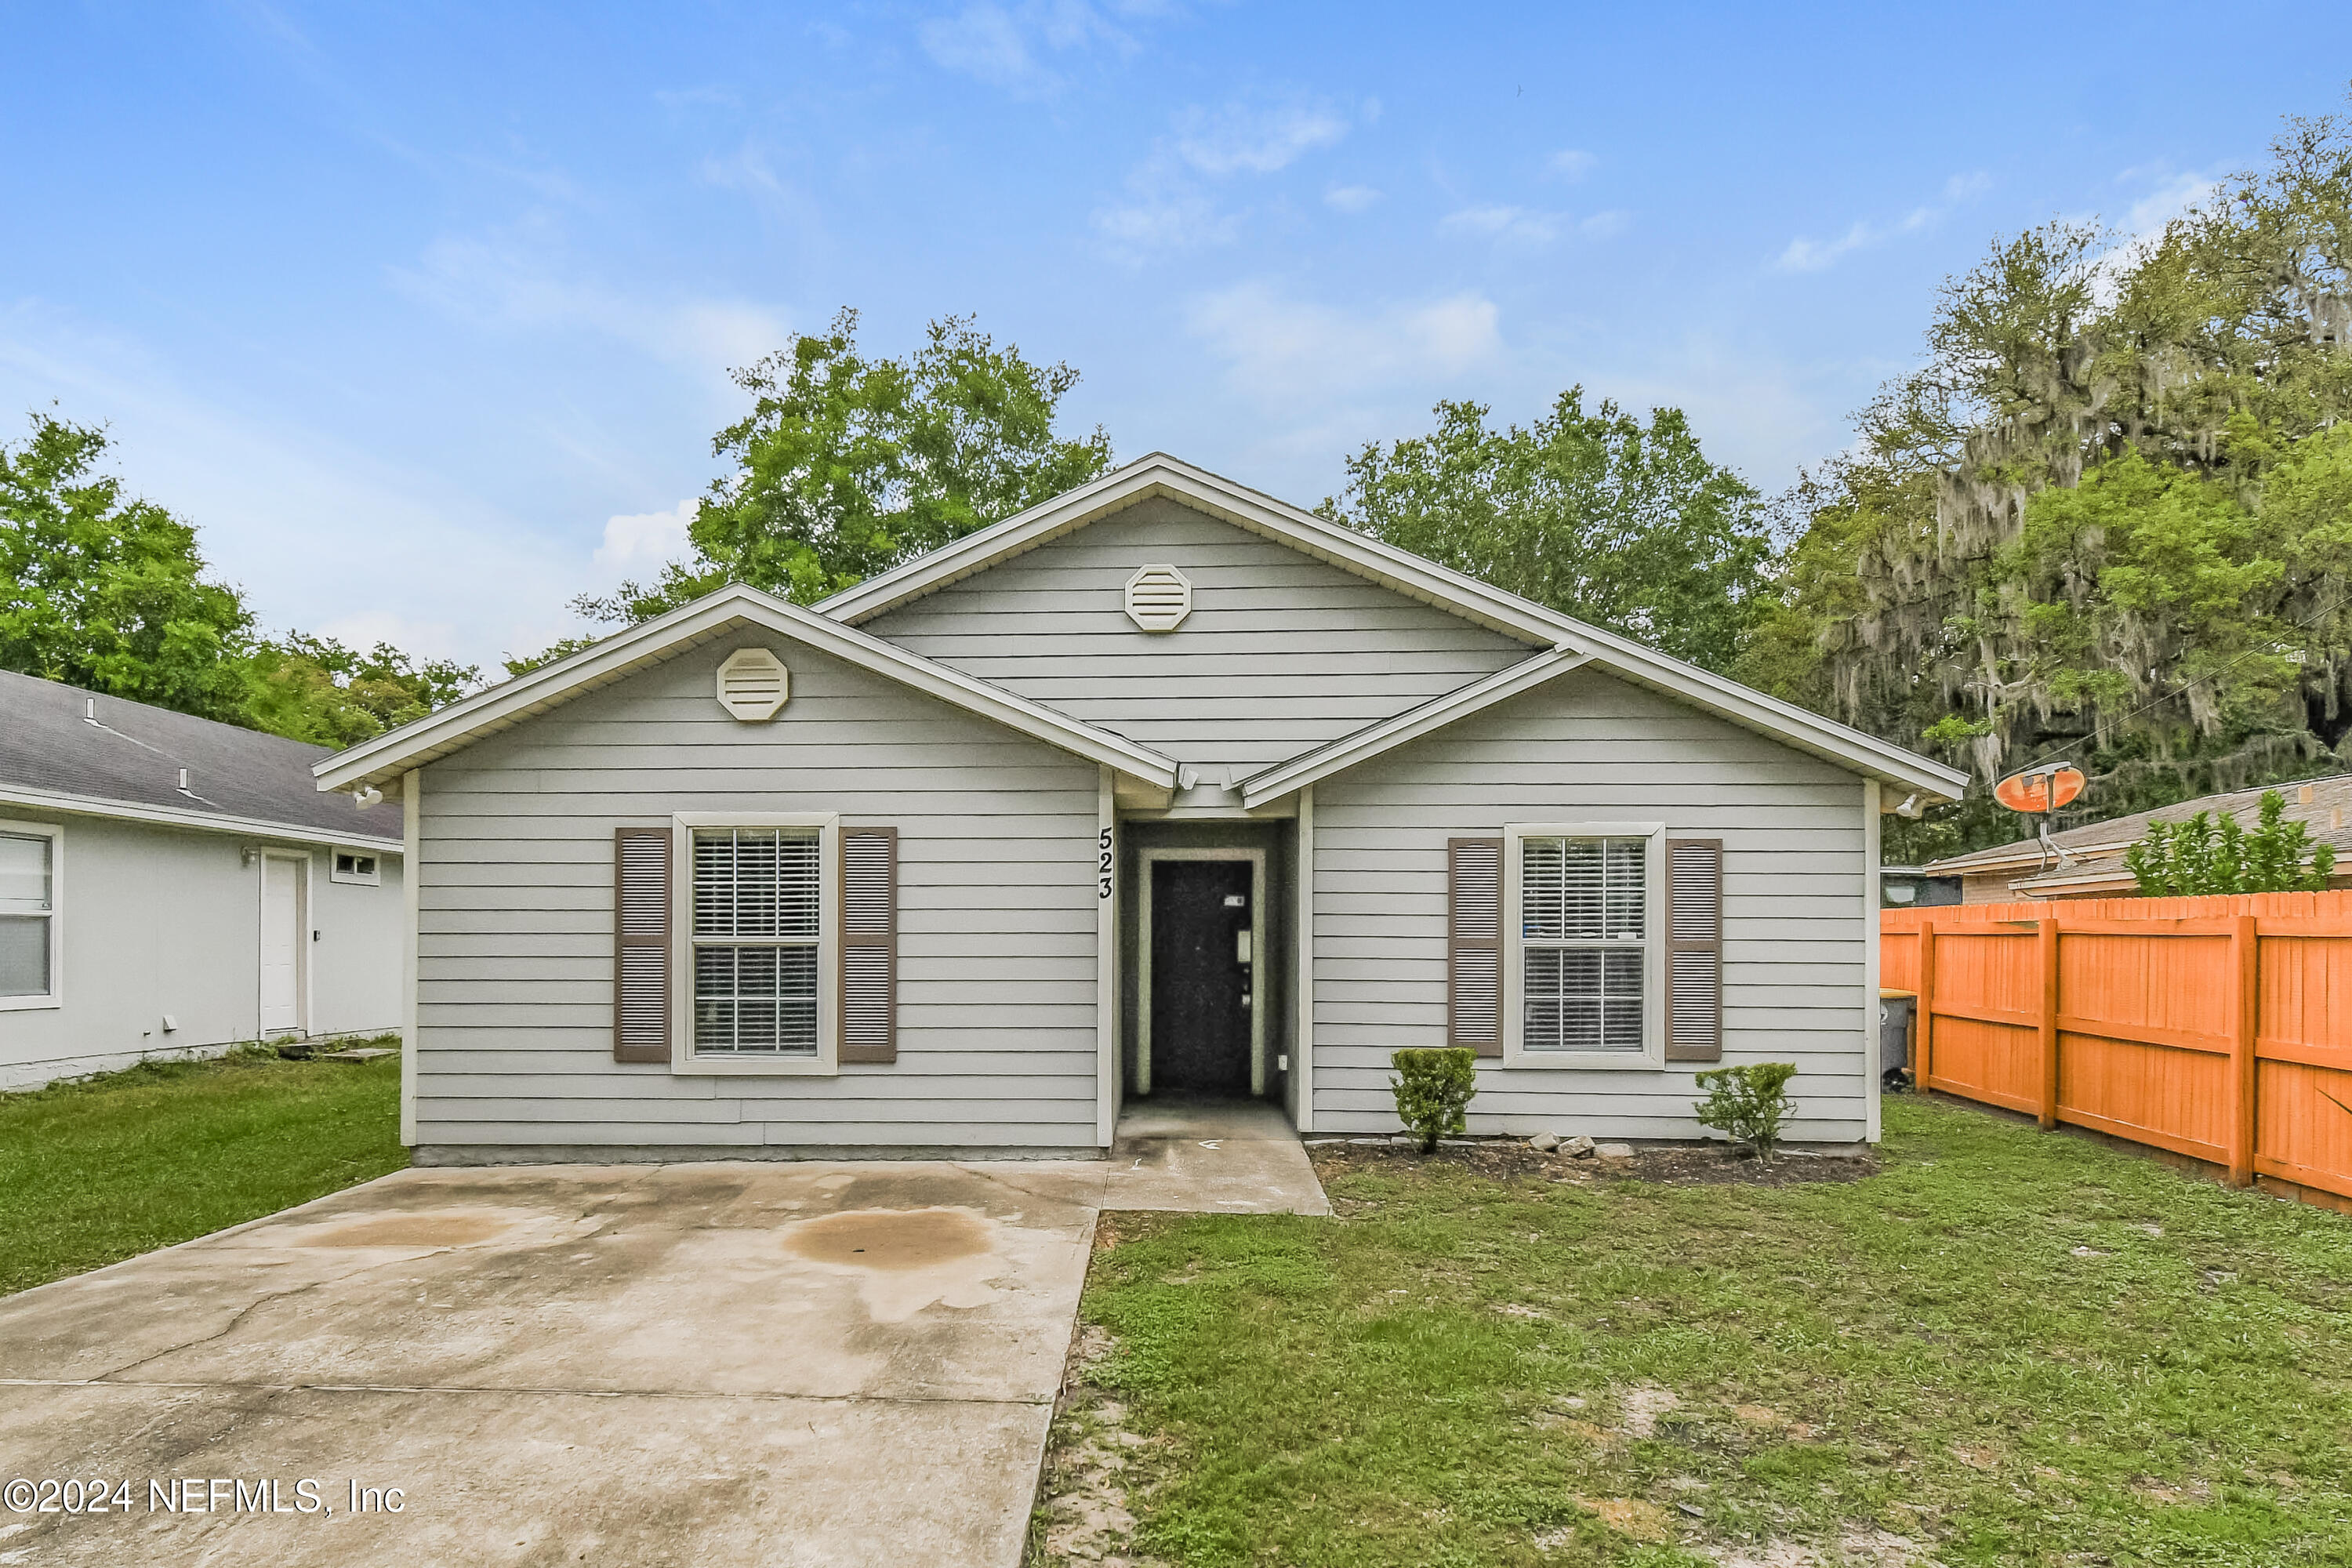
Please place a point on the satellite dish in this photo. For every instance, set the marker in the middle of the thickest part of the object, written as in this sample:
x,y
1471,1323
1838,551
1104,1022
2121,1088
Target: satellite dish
x,y
2039,791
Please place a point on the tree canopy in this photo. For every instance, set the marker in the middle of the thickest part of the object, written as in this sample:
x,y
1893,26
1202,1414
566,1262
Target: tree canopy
x,y
1597,515
106,592
848,465
112,594
2110,515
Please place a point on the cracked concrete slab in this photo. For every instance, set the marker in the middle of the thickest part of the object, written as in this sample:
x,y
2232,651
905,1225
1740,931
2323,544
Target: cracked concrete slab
x,y
810,1364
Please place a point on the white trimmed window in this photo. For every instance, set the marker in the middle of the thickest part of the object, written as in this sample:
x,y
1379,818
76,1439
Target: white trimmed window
x,y
1583,924
756,949
357,866
30,940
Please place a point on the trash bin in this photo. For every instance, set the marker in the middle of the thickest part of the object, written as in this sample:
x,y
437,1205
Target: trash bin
x,y
1895,1009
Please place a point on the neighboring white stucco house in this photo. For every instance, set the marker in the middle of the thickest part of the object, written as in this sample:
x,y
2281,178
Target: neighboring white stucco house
x,y
169,885
1161,787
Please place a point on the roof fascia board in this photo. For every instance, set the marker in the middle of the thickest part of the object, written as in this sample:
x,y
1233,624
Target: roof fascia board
x,y
440,734
1410,725
171,816
1160,474
2032,854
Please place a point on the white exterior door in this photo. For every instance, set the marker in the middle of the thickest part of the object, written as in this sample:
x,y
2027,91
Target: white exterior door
x,y
281,945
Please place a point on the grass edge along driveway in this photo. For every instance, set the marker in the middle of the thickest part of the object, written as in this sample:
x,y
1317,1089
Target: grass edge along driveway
x,y
2007,1347
106,1168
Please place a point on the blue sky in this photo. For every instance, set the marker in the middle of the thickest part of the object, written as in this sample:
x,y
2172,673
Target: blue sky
x,y
424,312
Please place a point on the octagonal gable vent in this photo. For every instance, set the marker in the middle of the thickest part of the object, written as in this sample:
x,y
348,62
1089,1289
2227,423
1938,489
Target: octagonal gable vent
x,y
753,684
1158,598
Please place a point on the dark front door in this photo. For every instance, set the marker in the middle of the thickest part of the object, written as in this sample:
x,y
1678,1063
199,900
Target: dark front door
x,y
1199,978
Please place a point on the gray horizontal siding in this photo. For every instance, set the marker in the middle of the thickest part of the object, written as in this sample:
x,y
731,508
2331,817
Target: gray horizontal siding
x,y
1589,748
1281,654
997,918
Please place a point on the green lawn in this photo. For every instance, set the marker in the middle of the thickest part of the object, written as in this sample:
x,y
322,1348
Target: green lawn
x,y
113,1166
2007,1347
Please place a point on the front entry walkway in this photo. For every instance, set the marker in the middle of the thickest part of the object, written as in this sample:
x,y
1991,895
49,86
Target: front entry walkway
x,y
1210,1156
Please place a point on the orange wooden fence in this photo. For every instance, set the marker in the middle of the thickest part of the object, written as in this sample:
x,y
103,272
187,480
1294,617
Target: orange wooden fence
x,y
2216,1028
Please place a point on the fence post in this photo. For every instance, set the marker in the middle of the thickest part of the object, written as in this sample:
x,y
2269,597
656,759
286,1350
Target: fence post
x,y
1923,1013
2244,1019
2046,939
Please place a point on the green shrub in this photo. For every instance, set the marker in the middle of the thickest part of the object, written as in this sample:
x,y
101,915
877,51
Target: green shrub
x,y
1748,1104
1433,1089
2197,857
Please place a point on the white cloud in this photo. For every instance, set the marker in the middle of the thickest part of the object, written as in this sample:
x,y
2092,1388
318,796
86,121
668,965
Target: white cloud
x,y
1571,163
639,542
1528,227
1167,206
1516,225
1804,255
1352,198
1165,210
2169,200
1237,139
1008,46
1276,347
505,282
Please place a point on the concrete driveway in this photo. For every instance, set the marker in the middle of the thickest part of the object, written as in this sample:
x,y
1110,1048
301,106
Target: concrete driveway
x,y
703,1364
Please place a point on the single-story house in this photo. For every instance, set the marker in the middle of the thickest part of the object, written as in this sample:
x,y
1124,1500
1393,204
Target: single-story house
x,y
2088,860
171,886
1163,787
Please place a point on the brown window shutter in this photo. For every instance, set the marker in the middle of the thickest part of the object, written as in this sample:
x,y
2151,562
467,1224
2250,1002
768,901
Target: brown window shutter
x,y
1474,944
869,944
1694,949
641,927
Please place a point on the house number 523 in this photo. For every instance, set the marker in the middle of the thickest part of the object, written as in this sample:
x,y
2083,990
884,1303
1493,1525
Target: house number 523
x,y
1103,865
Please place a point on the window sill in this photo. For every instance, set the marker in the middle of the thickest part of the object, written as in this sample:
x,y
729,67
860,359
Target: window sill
x,y
686,1064
1584,1061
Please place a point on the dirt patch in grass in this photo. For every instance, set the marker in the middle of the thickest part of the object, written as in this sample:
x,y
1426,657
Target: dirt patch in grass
x,y
1082,1515
1673,1165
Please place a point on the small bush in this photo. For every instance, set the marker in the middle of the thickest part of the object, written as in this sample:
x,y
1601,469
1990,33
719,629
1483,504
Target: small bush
x,y
1748,1104
1433,1089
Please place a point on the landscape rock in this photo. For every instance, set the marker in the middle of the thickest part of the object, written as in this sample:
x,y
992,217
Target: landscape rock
x,y
1545,1142
1615,1150
1578,1148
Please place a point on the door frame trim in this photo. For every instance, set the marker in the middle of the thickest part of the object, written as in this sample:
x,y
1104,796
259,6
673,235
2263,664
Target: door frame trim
x,y
303,915
1149,858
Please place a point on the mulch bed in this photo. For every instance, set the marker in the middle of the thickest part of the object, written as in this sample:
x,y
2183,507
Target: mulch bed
x,y
1671,1164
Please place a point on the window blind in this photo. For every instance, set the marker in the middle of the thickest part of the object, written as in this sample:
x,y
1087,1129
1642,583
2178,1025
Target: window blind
x,y
758,911
1583,936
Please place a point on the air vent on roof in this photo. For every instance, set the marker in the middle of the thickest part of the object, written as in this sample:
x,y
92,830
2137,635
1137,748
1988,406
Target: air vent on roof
x,y
1158,598
753,684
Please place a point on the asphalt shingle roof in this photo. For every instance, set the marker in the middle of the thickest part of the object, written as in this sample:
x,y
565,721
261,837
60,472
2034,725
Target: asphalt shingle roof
x,y
133,753
2327,815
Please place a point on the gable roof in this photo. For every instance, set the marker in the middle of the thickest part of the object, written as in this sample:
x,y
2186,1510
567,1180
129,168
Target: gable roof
x,y
1161,475
714,615
64,749
1272,784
